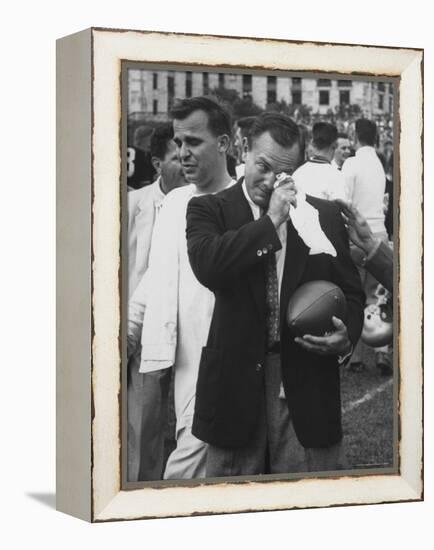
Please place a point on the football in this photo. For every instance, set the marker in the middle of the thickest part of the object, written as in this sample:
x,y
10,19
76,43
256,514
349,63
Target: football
x,y
312,306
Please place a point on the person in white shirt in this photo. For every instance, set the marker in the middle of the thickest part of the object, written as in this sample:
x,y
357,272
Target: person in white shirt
x,y
342,152
145,402
317,177
170,310
366,183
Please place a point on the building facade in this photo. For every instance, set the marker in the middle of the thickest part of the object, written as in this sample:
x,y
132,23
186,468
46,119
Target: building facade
x,y
151,93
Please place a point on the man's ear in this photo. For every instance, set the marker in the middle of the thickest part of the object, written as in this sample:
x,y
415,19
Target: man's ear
x,y
223,143
156,163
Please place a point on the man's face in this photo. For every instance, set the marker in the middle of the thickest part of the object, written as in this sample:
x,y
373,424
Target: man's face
x,y
343,150
198,149
265,159
171,169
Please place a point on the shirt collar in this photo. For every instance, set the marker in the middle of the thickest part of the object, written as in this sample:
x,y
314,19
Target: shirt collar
x,y
256,211
319,159
365,149
158,192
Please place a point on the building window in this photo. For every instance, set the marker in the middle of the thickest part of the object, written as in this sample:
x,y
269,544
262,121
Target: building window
x,y
344,97
296,81
271,89
155,80
221,80
381,87
247,84
134,97
324,82
381,101
296,97
155,107
170,89
344,83
205,80
188,84
324,97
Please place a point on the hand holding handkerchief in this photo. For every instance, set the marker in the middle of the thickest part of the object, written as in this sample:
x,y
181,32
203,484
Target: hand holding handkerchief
x,y
305,219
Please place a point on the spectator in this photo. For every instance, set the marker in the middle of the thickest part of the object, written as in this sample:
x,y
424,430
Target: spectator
x,y
317,177
343,150
147,393
140,170
241,131
366,181
170,310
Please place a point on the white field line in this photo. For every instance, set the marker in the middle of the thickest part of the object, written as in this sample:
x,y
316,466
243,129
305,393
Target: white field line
x,y
367,397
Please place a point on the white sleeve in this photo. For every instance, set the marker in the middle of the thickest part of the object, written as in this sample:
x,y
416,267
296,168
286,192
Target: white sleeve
x,y
349,179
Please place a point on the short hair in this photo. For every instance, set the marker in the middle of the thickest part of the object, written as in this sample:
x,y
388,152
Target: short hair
x,y
142,131
245,124
366,131
160,139
324,135
280,127
343,135
219,119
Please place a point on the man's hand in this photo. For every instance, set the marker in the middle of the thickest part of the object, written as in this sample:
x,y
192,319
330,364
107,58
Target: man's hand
x,y
336,343
283,195
358,229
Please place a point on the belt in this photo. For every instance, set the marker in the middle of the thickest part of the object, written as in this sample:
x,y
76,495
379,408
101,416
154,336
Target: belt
x,y
275,348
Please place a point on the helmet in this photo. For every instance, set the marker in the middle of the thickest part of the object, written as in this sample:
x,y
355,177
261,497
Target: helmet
x,y
378,323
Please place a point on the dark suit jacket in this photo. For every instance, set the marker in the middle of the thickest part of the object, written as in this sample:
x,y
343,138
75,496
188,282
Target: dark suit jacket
x,y
225,248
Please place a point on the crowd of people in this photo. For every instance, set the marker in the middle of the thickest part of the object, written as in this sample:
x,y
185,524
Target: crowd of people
x,y
215,253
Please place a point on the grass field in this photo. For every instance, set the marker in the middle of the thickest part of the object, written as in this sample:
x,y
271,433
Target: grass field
x,y
367,406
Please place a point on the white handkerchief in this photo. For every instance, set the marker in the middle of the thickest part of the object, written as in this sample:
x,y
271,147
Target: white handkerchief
x,y
305,219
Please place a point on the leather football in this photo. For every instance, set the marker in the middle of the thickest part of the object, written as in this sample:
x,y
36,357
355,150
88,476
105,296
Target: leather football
x,y
312,306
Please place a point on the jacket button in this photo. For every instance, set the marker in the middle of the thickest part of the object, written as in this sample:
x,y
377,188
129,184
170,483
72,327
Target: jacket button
x,y
265,250
269,246
259,252
258,367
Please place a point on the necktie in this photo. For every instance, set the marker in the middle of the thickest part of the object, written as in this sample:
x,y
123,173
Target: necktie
x,y
272,298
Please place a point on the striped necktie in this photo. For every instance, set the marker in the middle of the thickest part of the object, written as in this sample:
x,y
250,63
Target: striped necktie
x,y
272,299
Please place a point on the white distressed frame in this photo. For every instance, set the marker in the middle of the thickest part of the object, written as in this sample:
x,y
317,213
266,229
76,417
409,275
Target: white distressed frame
x,y
108,501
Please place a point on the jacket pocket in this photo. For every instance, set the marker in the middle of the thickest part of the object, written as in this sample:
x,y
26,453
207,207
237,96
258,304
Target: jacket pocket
x,y
208,383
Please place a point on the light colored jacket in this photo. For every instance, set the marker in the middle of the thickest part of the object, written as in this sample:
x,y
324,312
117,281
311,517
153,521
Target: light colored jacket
x,y
143,206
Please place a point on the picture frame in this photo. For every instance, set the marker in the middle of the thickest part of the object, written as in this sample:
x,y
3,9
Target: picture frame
x,y
90,346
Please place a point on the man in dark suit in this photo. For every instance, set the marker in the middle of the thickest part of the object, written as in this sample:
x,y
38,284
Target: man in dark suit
x,y
233,239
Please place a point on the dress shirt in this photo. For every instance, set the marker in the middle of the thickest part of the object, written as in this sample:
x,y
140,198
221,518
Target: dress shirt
x,y
281,232
366,184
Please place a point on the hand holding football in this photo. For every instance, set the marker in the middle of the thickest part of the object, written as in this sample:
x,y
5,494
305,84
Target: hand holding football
x,y
312,306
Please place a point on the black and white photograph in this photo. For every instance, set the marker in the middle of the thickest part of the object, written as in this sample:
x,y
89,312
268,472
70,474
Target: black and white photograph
x,y
258,268
239,275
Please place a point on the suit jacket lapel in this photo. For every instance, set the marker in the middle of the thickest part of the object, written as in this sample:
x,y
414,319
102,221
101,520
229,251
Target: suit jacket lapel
x,y
237,213
295,262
